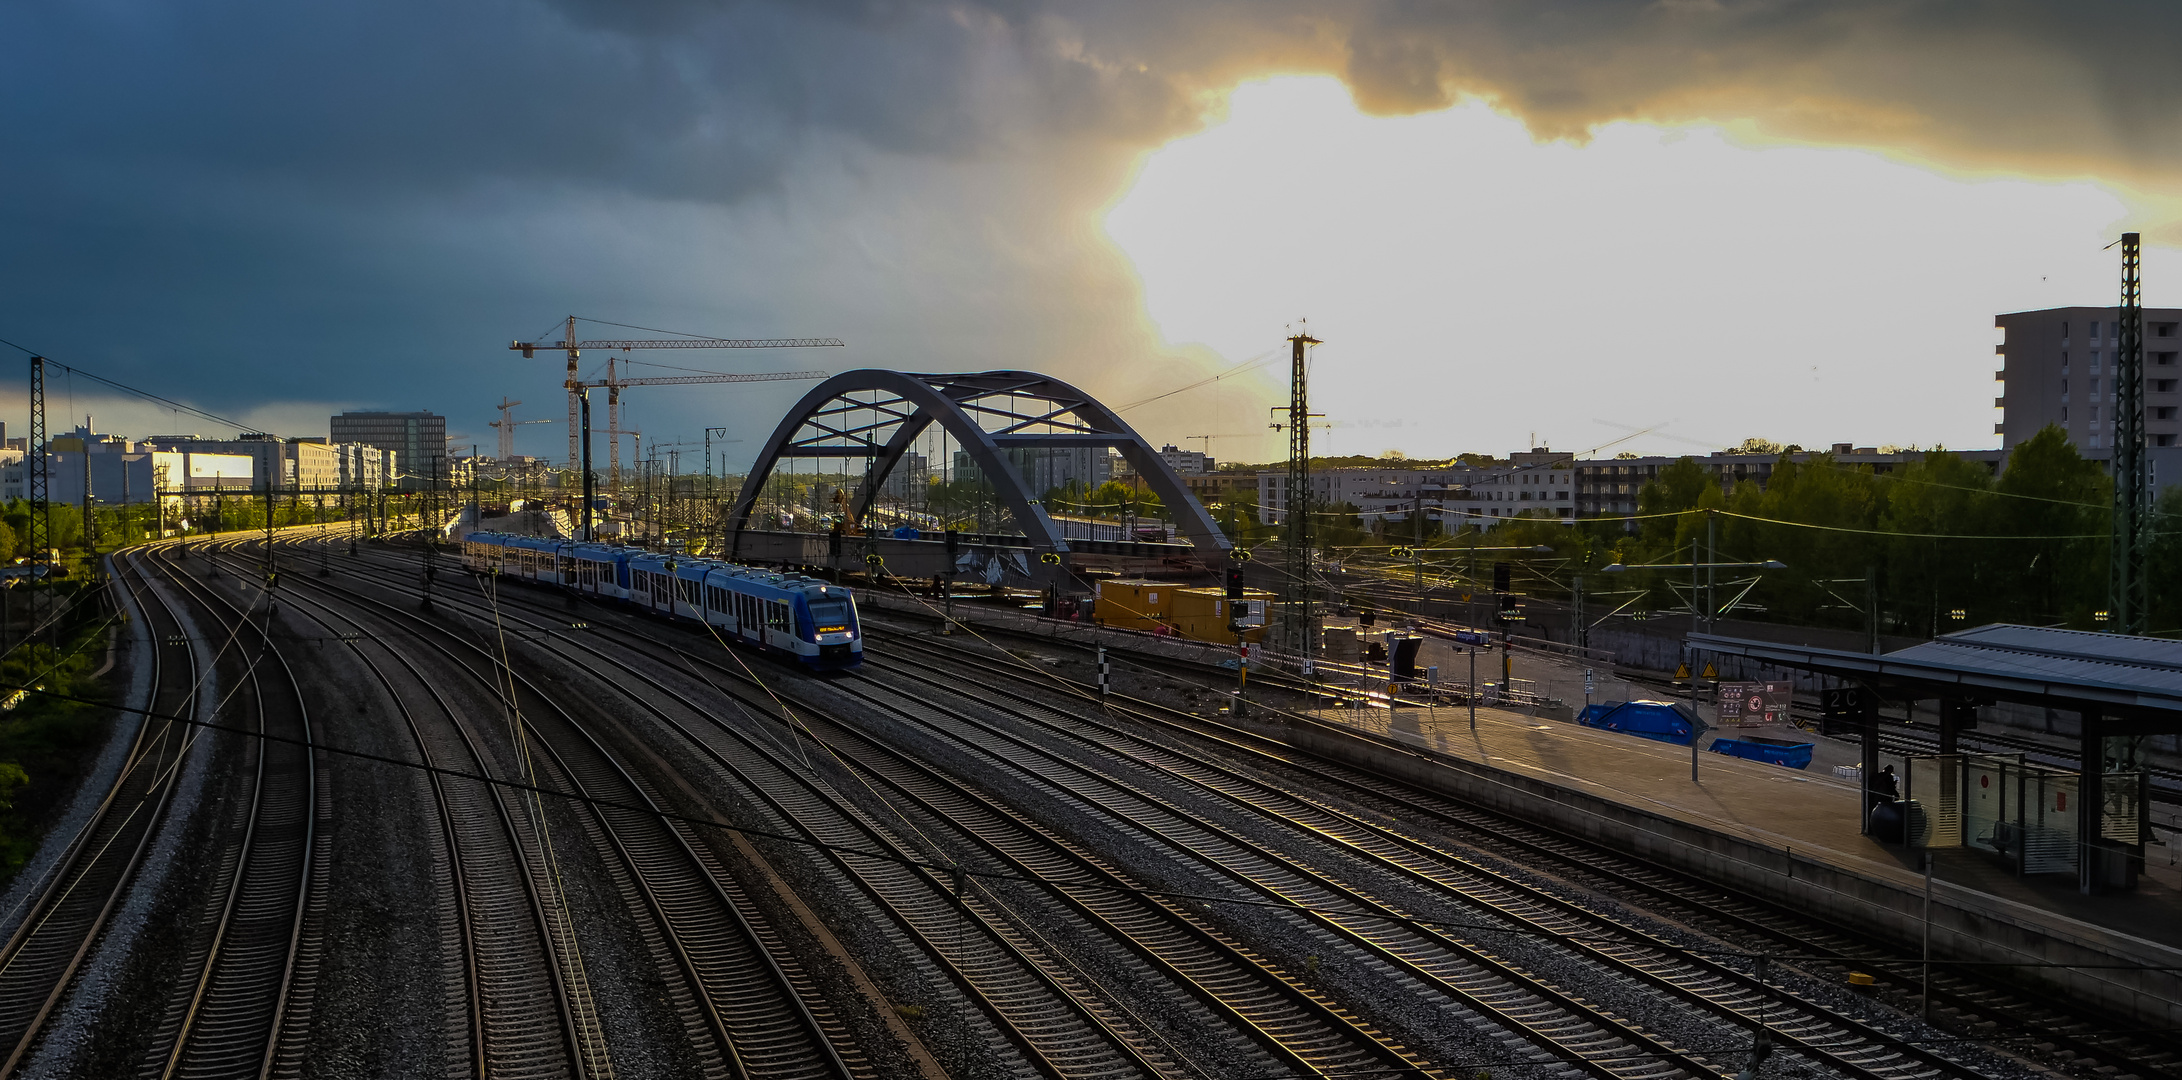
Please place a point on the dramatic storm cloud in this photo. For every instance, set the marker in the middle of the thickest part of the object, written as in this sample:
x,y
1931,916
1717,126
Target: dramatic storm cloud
x,y
276,210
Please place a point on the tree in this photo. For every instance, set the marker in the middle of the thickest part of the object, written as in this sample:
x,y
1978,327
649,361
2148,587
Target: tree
x,y
1676,489
2050,493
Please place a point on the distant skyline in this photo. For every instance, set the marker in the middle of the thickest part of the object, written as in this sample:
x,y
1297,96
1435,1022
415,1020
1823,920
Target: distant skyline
x,y
1579,219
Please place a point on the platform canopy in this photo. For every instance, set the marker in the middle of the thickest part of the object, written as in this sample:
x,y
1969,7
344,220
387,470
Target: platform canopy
x,y
2136,681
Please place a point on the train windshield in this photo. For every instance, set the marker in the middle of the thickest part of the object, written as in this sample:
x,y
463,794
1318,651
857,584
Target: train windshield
x,y
831,616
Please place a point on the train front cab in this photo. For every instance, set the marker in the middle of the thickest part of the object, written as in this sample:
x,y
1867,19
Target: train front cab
x,y
827,622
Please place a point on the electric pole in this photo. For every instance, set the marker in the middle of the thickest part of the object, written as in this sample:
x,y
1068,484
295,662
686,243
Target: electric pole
x,y
2127,584
1301,629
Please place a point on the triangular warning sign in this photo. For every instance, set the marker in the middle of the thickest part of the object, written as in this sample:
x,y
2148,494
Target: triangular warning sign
x,y
1682,672
1711,672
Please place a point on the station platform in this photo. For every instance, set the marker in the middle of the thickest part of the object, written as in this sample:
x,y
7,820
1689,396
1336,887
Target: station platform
x,y
1803,813
1784,835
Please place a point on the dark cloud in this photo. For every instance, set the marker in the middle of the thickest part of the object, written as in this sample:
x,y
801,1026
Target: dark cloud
x,y
320,201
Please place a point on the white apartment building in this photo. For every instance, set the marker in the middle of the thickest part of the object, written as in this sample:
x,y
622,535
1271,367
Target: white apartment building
x,y
1538,481
1186,462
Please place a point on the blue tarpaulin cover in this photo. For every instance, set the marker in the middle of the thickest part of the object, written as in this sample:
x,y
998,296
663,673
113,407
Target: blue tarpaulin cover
x,y
1666,721
1793,755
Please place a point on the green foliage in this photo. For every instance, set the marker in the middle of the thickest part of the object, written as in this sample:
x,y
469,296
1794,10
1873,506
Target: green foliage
x,y
1937,536
45,744
1340,526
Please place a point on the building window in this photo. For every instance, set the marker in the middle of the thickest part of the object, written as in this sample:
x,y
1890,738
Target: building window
x,y
2094,388
2094,442
2064,414
2165,413
2093,333
2094,359
2094,414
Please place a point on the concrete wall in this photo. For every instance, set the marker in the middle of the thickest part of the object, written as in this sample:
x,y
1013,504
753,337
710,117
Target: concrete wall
x,y
1966,925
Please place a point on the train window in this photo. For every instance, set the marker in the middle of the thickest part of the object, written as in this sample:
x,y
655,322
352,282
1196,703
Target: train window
x,y
688,590
831,615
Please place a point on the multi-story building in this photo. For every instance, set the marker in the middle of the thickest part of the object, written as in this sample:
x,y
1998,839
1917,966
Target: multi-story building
x,y
1609,487
2058,368
298,465
418,441
1537,481
1186,462
1046,468
909,477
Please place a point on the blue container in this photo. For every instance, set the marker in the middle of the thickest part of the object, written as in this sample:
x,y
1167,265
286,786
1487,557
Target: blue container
x,y
1792,755
1665,721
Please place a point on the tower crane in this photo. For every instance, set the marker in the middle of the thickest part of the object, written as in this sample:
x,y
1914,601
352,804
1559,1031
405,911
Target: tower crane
x,y
575,384
613,384
507,425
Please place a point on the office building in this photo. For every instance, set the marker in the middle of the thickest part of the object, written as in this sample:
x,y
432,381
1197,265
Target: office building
x,y
418,441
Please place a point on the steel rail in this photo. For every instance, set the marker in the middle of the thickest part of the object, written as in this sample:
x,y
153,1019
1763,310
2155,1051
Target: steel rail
x,y
1750,923
1649,1050
494,889
235,1017
1818,1032
713,934
1037,1000
1297,1023
58,928
1455,967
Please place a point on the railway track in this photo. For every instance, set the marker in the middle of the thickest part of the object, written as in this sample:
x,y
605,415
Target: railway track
x,y
253,982
1557,1024
504,921
1616,950
1039,1005
1294,1024
748,1008
1733,919
50,938
1723,990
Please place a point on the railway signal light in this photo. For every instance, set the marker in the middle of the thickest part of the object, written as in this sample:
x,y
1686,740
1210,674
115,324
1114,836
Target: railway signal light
x,y
1234,582
1503,575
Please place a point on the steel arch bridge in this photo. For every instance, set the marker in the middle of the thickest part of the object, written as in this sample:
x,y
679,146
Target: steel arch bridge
x,y
878,415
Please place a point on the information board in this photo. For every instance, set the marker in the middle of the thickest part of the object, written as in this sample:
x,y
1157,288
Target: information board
x,y
1753,704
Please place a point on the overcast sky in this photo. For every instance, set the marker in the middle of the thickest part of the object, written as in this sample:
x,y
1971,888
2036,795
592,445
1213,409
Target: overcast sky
x,y
1565,221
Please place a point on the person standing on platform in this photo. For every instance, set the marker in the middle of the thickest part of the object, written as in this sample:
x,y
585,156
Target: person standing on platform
x,y
1886,786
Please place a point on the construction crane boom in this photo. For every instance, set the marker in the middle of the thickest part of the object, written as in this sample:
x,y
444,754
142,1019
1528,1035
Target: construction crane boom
x,y
685,380
574,347
528,348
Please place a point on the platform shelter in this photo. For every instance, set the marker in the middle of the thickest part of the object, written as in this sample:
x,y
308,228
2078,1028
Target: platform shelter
x,y
2095,820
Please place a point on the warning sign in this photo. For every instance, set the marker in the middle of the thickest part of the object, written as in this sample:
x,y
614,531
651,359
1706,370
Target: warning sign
x,y
1751,704
1682,672
1711,672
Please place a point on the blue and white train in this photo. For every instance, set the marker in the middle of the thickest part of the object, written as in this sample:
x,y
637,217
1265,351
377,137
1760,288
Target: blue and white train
x,y
788,615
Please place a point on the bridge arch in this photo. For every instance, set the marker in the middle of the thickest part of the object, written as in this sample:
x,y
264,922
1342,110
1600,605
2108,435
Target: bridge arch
x,y
878,415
